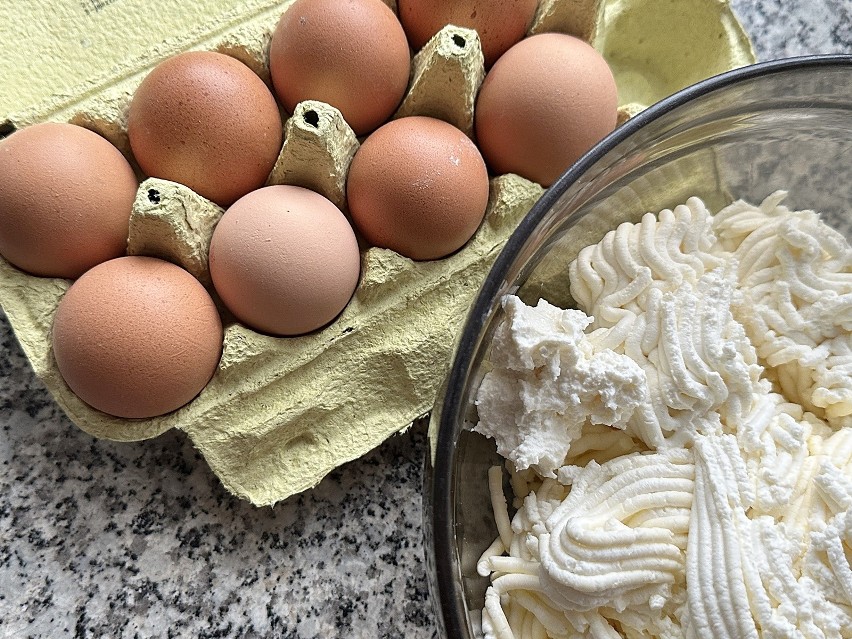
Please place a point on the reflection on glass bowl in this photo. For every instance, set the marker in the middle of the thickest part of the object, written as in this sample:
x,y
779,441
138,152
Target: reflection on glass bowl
x,y
782,125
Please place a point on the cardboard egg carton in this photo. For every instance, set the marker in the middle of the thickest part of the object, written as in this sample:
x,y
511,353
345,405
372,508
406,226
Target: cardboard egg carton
x,y
280,413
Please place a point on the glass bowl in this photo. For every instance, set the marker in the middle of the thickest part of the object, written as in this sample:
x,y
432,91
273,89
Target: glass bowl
x,y
784,124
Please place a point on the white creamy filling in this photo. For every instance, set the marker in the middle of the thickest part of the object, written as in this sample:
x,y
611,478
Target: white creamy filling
x,y
716,565
551,379
795,274
776,440
610,280
740,524
620,536
702,372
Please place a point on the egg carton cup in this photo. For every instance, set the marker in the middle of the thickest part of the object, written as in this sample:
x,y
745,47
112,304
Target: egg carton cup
x,y
282,412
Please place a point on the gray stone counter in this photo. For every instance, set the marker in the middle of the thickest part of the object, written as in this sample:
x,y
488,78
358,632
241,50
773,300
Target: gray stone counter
x,y
100,539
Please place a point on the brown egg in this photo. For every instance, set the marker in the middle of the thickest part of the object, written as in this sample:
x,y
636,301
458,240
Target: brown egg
x,y
544,103
284,260
499,23
205,120
65,199
351,54
137,337
417,186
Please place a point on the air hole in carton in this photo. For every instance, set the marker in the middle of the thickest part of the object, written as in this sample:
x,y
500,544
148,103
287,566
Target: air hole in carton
x,y
7,129
153,196
459,41
312,118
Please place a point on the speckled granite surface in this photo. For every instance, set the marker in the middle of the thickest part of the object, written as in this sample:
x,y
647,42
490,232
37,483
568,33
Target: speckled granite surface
x,y
99,539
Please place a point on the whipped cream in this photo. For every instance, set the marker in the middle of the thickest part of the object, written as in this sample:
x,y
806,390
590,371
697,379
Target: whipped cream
x,y
779,581
776,441
702,372
611,279
659,293
705,489
619,538
795,276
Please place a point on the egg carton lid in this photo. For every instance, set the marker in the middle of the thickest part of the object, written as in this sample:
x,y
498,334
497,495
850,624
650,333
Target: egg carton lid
x,y
55,50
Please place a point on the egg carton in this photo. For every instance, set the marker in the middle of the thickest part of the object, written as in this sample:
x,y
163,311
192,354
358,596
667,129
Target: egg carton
x,y
281,412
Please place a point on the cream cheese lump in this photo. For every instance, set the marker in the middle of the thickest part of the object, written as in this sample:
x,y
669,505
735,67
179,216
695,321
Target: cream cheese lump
x,y
679,446
551,378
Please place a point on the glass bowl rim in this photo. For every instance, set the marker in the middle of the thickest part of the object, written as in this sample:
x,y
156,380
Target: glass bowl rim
x,y
440,531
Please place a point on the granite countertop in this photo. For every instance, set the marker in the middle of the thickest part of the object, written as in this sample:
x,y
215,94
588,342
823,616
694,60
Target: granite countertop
x,y
103,539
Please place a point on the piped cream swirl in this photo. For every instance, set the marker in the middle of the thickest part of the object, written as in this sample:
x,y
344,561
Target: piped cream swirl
x,y
620,536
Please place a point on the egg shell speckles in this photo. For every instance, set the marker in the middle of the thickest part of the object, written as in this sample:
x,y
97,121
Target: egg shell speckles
x,y
284,260
418,186
205,120
137,337
65,199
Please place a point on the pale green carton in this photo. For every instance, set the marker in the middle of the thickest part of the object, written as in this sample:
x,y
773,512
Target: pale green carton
x,y
280,413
